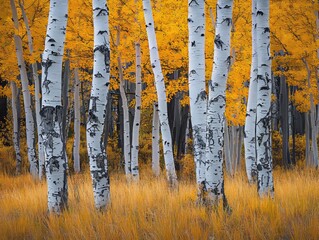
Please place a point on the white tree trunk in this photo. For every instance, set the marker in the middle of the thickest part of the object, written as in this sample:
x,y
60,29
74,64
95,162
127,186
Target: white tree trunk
x,y
197,89
16,128
36,93
30,131
77,122
312,113
263,119
129,167
228,152
250,123
155,142
97,108
137,115
216,102
51,111
161,95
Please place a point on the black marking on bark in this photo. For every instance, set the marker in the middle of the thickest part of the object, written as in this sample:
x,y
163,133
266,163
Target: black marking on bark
x,y
106,52
189,20
228,62
193,71
98,75
102,11
102,32
266,30
228,21
218,42
93,129
202,96
53,164
47,64
193,2
216,99
198,29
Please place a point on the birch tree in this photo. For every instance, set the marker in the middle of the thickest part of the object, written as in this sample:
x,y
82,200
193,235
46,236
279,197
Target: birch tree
x,y
77,121
137,115
36,92
30,131
197,89
155,142
51,111
250,123
129,167
217,102
16,126
263,119
161,95
97,106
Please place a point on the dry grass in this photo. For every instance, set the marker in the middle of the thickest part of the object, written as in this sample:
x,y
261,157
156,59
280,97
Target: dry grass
x,y
148,210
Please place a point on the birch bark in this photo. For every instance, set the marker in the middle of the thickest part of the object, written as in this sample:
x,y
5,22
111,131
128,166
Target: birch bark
x,y
130,168
77,121
16,126
197,89
30,131
36,93
263,119
51,111
155,142
97,108
216,103
161,95
312,113
137,115
250,123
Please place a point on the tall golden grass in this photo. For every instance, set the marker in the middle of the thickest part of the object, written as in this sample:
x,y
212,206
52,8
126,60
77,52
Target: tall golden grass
x,y
149,210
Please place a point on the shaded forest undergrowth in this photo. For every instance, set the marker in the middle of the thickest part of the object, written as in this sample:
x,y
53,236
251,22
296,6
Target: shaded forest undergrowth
x,y
148,210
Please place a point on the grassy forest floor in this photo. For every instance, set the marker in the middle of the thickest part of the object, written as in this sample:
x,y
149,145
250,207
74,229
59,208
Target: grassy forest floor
x,y
149,210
